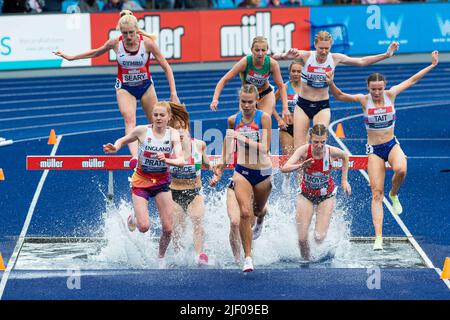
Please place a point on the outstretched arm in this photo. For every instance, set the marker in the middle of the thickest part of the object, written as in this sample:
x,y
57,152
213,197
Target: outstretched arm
x,y
338,94
293,163
134,135
277,78
153,47
89,54
367,60
341,154
238,67
395,90
292,54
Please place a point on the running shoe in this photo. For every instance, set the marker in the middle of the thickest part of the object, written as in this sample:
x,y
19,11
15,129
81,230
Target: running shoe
x,y
202,259
248,265
257,229
131,222
162,263
396,205
133,163
378,244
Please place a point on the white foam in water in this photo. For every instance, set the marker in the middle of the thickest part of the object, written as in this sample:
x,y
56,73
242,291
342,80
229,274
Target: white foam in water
x,y
277,243
277,247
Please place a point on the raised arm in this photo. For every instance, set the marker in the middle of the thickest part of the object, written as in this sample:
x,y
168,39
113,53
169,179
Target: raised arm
x,y
205,158
110,44
153,48
341,154
367,60
292,54
339,95
395,90
235,70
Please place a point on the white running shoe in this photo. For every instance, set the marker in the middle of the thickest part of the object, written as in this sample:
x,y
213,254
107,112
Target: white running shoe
x,y
396,205
378,244
131,222
257,229
248,265
162,263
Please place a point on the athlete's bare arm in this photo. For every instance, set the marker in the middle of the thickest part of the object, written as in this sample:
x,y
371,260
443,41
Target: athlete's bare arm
x,y
395,90
340,95
367,60
341,154
153,48
233,72
109,45
137,134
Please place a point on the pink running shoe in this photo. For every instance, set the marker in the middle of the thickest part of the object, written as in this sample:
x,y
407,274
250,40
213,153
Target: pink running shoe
x,y
202,258
133,163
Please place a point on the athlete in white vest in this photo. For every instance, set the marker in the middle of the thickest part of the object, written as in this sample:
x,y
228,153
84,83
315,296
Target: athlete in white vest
x,y
313,100
159,148
133,50
379,118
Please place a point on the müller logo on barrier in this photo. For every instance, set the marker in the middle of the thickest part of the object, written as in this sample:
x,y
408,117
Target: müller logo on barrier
x,y
93,163
51,163
236,40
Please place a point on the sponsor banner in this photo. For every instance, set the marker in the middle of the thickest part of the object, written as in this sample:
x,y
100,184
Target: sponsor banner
x,y
28,41
370,29
122,162
201,36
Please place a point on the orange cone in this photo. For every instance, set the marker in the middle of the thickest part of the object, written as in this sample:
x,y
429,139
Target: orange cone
x,y
2,175
2,265
340,131
446,269
52,137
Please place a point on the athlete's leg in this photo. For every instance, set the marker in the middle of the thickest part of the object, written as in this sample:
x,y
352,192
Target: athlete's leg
x,y
140,206
127,107
323,216
303,219
261,193
148,101
397,160
323,117
244,195
235,217
179,226
377,172
301,127
196,211
163,202
267,103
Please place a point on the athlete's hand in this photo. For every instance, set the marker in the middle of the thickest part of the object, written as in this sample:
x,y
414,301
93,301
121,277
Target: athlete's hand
x,y
213,105
161,157
435,58
305,164
63,55
218,171
291,54
174,98
330,77
392,47
287,116
231,134
109,148
346,187
282,124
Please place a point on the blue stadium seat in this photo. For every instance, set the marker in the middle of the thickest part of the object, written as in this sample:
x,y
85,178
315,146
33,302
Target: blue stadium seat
x,y
339,33
312,2
70,6
100,4
221,4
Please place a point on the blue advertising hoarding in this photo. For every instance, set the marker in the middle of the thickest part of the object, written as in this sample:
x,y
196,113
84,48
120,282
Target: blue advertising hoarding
x,y
419,27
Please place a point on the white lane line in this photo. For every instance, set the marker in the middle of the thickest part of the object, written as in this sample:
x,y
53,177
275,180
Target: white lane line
x,y
23,233
397,218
